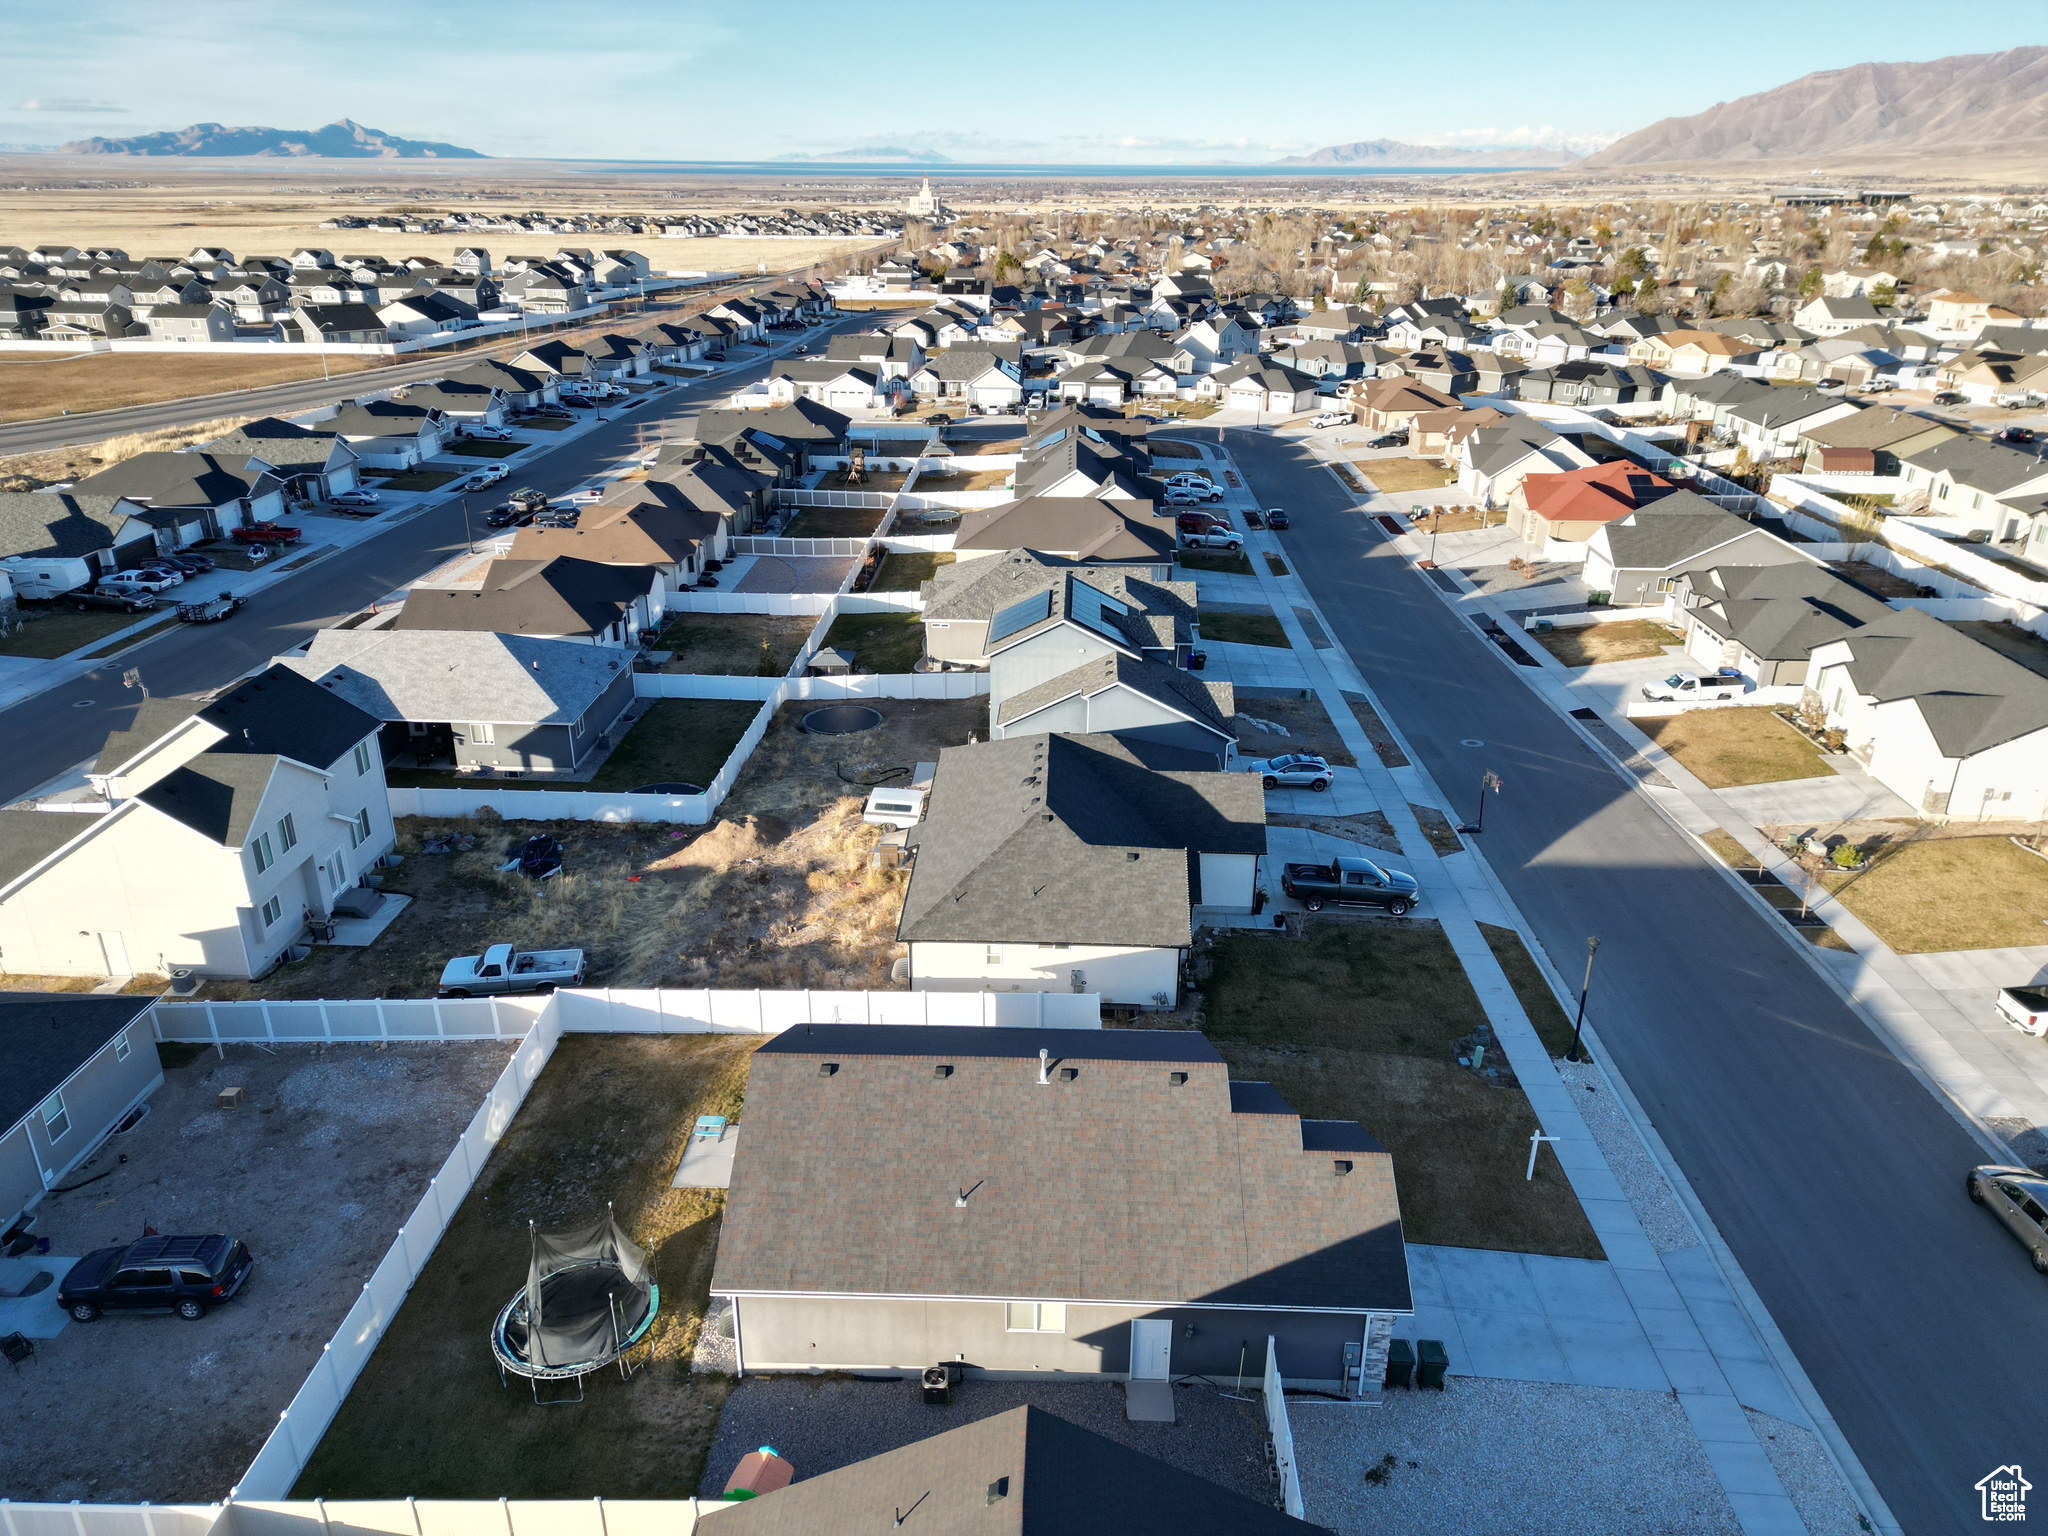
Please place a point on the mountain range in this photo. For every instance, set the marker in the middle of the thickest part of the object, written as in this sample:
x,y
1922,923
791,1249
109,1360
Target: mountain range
x,y
1393,154
1970,103
339,140
876,155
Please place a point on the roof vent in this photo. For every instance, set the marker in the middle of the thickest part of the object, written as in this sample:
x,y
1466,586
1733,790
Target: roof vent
x,y
1068,1074
999,1489
827,1068
942,1070
1340,1166
1177,1079
1132,856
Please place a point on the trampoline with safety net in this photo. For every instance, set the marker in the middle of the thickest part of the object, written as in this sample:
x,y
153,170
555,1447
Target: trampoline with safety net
x,y
588,1300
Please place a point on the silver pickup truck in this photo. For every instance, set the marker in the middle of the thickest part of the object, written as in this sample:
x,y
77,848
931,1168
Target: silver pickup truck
x,y
501,968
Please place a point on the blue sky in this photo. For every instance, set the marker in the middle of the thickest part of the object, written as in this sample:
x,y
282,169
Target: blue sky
x,y
1058,81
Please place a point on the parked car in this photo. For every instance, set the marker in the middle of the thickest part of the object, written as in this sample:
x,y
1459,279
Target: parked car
x,y
1947,397
488,434
1350,883
108,597
578,403
158,570
1290,770
507,516
357,498
1276,518
2025,1009
1185,498
938,419
501,968
548,413
2019,1198
485,478
1197,522
189,563
1211,538
186,1275
1724,684
2015,435
1828,383
1186,481
132,582
1331,419
269,533
1388,440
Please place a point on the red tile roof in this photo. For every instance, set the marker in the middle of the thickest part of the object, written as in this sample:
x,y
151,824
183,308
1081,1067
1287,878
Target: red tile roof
x,y
1596,495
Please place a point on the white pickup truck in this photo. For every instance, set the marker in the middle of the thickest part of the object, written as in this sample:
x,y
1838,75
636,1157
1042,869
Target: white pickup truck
x,y
1685,686
501,968
2025,1009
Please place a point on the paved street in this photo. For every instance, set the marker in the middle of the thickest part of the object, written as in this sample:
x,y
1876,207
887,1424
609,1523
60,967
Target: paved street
x,y
57,728
1835,1177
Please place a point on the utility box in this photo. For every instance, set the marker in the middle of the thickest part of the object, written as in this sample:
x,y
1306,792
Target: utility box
x,y
231,1098
938,1384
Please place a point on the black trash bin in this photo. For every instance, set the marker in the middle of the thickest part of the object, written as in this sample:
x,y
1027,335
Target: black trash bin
x,y
1430,1363
1400,1364
938,1384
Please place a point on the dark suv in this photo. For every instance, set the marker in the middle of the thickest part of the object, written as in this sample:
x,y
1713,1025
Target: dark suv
x,y
185,1275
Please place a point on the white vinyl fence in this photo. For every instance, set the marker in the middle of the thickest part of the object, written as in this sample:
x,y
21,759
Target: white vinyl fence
x,y
368,1517
603,1010
283,1457
1282,1432
878,500
797,549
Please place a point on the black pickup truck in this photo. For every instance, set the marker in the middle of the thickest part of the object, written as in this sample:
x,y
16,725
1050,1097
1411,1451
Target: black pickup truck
x,y
1350,883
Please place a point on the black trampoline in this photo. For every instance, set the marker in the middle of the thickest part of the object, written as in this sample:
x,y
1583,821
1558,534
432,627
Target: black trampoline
x,y
842,720
589,1298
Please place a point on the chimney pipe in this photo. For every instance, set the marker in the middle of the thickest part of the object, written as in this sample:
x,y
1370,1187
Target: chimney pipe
x,y
1044,1058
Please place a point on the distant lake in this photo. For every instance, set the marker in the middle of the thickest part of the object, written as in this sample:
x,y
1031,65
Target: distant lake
x,y
806,170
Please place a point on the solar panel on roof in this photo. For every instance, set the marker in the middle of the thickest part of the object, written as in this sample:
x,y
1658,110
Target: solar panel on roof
x,y
1035,609
1097,610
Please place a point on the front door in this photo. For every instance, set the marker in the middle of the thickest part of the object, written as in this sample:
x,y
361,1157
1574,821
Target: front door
x,y
114,952
1151,1349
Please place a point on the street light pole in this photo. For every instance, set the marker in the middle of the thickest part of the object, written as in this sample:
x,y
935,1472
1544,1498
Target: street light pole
x,y
1579,1024
468,536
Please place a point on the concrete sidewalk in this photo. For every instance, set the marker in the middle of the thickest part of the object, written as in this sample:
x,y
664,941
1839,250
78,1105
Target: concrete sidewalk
x,y
1698,1332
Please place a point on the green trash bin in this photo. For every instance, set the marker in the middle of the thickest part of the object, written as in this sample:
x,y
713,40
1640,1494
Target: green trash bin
x,y
1400,1364
1430,1364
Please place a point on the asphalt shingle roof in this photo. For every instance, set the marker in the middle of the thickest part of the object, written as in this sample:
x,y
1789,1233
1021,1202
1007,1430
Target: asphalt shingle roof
x,y
50,1035
1079,527
280,712
1115,1185
445,675
533,597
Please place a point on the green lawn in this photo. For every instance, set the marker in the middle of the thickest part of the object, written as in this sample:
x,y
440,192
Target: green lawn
x,y
677,739
880,642
1726,747
48,632
545,424
472,448
1360,1021
908,572
1244,629
1230,563
734,644
832,523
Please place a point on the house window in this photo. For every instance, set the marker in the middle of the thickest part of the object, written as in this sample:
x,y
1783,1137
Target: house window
x,y
482,735
287,834
56,1118
122,1046
362,758
359,829
260,851
272,910
1035,1317
992,955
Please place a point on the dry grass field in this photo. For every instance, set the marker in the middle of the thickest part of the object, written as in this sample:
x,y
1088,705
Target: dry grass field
x,y
111,380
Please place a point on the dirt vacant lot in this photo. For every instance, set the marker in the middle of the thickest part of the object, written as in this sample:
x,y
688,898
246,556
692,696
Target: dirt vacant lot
x,y
316,1171
1393,477
606,1121
1362,1021
733,644
1625,640
1305,722
109,380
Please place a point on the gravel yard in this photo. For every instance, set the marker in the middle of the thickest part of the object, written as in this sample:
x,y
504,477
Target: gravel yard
x,y
1812,1480
1649,1195
823,1423
316,1171
1486,1457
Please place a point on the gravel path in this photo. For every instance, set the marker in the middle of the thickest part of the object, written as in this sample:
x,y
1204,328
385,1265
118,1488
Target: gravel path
x,y
1664,1220
1489,1457
1811,1478
822,1423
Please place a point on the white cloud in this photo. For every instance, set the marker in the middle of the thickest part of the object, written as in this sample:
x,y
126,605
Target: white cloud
x,y
1524,137
70,106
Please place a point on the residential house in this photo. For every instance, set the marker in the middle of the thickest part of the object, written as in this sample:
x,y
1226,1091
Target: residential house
x,y
425,313
1324,359
569,365
1975,484
1567,507
1494,461
388,434
962,600
1391,405
334,325
268,801
1770,425
186,323
523,389
1689,353
311,466
838,386
77,1066
111,531
714,479
1857,282
459,404
1258,384
890,1203
1075,458
1951,726
1641,558
1765,621
668,517
191,496
643,535
560,598
1451,373
475,700
1113,694
1709,400
89,320
1871,442
1049,1476
1092,529
990,379
1830,315
1589,384
890,356
1213,344
1436,434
